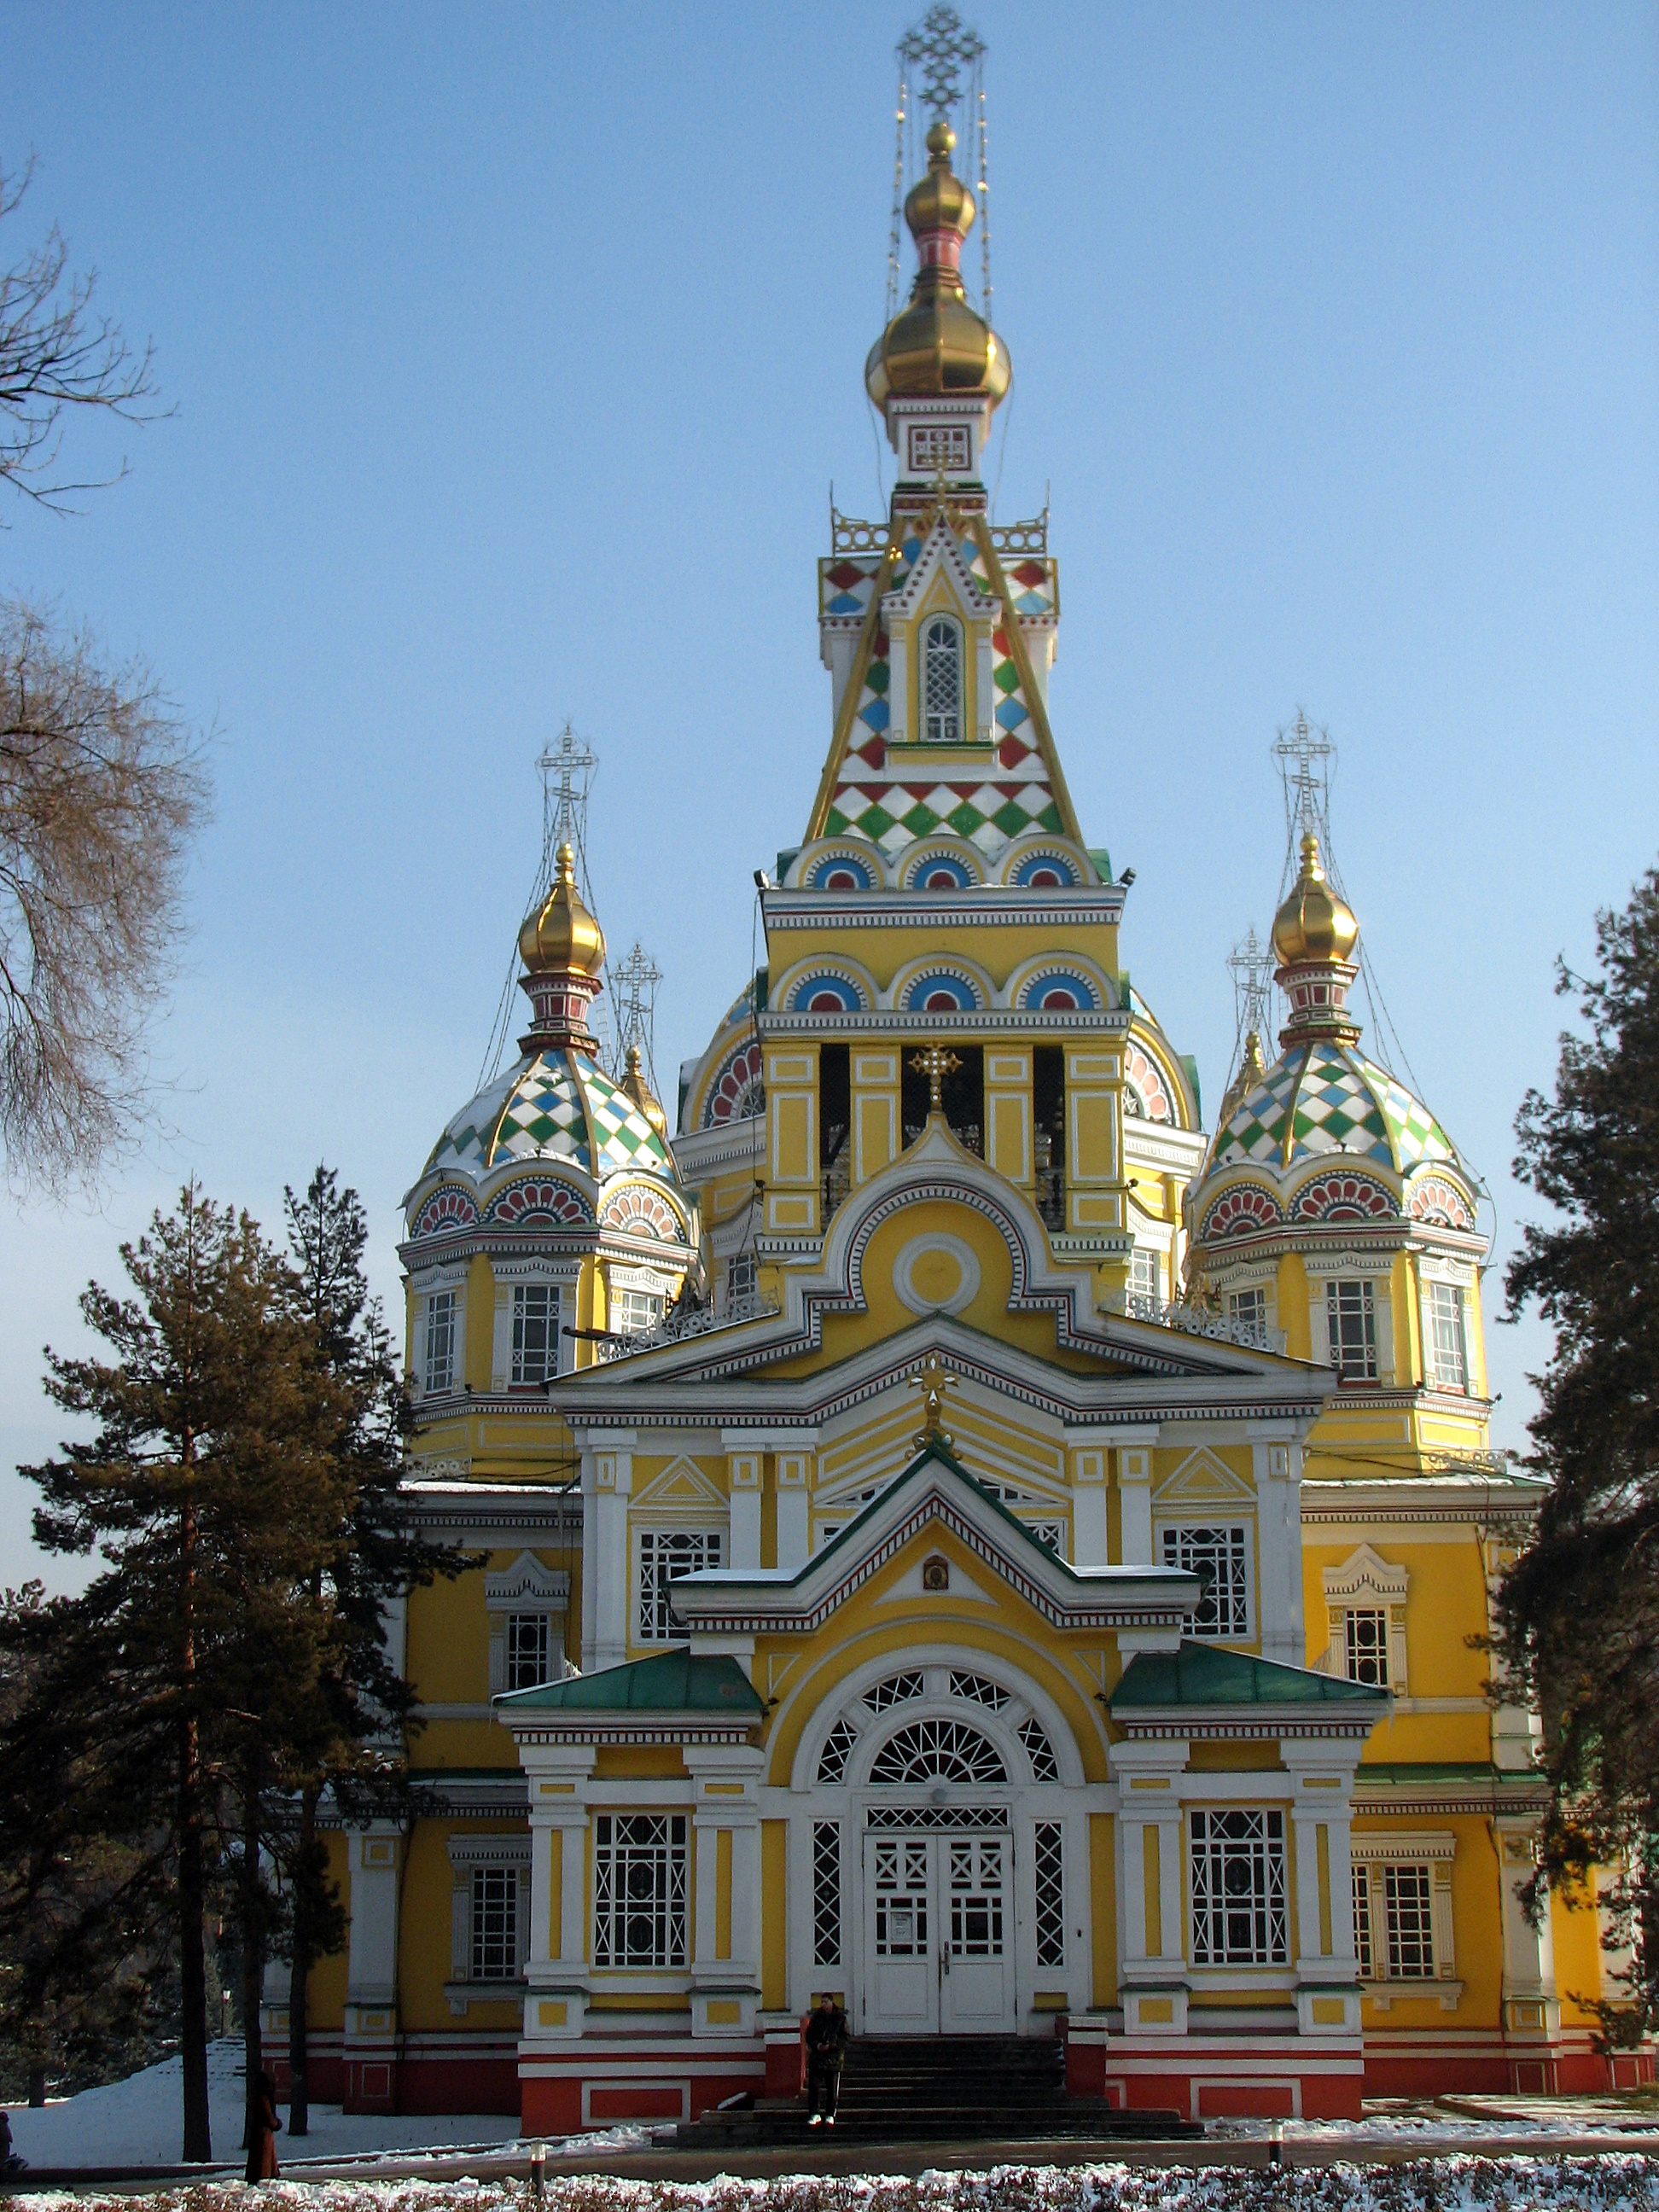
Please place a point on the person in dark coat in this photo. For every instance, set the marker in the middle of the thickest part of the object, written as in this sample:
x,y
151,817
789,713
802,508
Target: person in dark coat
x,y
826,2047
262,2126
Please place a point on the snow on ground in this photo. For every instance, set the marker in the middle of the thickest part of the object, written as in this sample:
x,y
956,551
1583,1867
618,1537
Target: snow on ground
x,y
1390,2119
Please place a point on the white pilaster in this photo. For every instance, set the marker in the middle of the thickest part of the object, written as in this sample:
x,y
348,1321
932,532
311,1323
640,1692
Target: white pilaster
x,y
1278,1467
1134,1483
607,1483
744,1470
793,1475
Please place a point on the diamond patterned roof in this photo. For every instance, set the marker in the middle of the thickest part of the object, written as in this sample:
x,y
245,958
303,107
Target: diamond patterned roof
x,y
1325,1098
552,1105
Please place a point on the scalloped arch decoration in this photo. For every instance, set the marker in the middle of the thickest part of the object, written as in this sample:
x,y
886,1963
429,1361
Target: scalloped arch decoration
x,y
634,1211
1244,1211
1143,1074
1036,872
529,1204
828,991
942,989
1343,1198
1060,988
842,870
738,1091
1435,1200
448,1208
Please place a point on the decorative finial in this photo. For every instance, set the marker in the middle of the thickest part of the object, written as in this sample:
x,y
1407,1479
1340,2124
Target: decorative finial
x,y
933,1378
935,1064
941,46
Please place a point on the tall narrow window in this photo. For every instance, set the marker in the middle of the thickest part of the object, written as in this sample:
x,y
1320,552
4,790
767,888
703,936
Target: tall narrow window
x,y
1145,1276
535,1332
1408,1903
1237,1890
529,1651
1351,1319
495,1924
1049,1868
941,682
1362,1923
826,1892
1451,1370
1049,1131
439,1366
639,1889
1367,1639
835,1123
665,1555
742,1279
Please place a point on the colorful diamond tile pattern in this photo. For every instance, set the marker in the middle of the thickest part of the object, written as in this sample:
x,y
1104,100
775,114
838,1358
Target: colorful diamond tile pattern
x,y
1332,1100
1007,792
543,1109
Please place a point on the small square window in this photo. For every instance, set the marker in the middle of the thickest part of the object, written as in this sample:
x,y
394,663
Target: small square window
x,y
1249,1307
535,1332
1366,1634
634,1312
1351,1319
665,1555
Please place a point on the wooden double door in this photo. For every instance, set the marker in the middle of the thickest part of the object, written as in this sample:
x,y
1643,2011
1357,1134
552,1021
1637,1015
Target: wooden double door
x,y
939,1933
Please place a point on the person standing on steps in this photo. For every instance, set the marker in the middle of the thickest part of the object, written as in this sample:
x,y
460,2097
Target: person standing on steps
x,y
826,2047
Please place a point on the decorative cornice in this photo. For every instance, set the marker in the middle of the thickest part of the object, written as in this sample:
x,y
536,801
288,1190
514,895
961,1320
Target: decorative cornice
x,y
1111,1022
977,906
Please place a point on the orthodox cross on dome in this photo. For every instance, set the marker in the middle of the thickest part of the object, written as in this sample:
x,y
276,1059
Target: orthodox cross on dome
x,y
1302,752
567,767
633,983
1251,966
933,1378
941,46
935,1064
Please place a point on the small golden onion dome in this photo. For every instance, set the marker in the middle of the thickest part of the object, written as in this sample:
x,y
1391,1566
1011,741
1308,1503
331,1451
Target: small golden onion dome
x,y
635,1086
937,343
1314,923
562,936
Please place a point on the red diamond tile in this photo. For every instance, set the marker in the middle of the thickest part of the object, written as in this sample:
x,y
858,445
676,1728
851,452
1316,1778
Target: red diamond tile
x,y
1030,574
1010,752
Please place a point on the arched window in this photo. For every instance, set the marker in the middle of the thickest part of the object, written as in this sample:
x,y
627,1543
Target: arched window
x,y
941,682
938,1751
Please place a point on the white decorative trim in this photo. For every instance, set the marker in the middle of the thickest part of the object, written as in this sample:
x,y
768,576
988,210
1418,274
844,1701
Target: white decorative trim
x,y
527,1586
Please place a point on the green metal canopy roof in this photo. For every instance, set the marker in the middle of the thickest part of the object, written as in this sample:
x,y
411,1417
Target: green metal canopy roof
x,y
667,1682
1199,1674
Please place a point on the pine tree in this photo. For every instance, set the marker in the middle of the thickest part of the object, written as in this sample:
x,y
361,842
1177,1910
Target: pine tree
x,y
1579,1612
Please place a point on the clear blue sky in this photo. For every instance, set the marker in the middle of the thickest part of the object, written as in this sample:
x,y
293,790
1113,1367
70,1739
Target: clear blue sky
x,y
514,350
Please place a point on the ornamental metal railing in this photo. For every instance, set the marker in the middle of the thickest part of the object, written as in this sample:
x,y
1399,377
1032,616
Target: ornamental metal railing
x,y
677,1328
847,534
1190,1321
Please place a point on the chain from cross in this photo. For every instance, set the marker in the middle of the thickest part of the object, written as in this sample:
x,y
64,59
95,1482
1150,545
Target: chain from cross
x,y
941,48
1251,966
1303,743
935,1064
933,1378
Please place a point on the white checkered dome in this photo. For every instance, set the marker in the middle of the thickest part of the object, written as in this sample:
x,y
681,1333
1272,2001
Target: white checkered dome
x,y
1324,1098
552,1105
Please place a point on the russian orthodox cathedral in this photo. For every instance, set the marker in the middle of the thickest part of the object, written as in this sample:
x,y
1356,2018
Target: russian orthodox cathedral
x,y
953,1532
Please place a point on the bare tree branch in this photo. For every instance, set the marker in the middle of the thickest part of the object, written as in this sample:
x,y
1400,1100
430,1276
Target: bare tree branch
x,y
102,787
58,354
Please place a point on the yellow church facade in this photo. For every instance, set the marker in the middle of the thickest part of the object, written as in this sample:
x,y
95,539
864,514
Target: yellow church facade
x,y
952,1531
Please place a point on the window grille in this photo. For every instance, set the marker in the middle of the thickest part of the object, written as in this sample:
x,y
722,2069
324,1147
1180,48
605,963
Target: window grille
x,y
742,1278
1446,1319
1248,1306
1362,1922
1367,1639
1408,1909
978,1689
1145,1275
941,680
976,1896
894,1690
902,1888
1351,1320
936,1816
1238,1888
1044,1765
826,1892
529,1651
1222,1555
938,1751
1051,1534
495,1924
837,1748
535,1332
665,1555
639,1889
633,1312
1049,1864
440,1361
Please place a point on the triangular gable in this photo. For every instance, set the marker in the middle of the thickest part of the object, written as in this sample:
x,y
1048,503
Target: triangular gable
x,y
1201,1478
682,1488
940,551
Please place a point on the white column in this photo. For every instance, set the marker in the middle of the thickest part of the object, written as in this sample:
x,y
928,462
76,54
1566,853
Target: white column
x,y
1529,1952
1278,1467
1135,1484
744,1470
558,1777
725,1781
1153,1981
608,1466
1089,1544
1322,1780
375,1855
793,1475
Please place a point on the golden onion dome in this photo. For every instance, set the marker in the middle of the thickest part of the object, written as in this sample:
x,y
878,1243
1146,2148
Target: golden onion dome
x,y
1314,923
562,937
938,344
635,1087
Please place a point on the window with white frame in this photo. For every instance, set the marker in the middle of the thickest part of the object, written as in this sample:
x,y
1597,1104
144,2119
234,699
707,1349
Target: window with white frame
x,y
1220,1554
495,1924
1249,1306
1450,1359
1048,1882
1351,1327
633,1312
1409,1920
941,682
1237,1887
1146,1274
535,1332
826,1892
742,1278
529,1651
639,1889
1402,1907
1362,1922
1365,1643
665,1555
437,1363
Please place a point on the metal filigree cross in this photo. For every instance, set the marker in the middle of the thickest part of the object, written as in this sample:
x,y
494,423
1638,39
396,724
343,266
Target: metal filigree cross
x,y
933,1378
1251,966
1298,749
935,1064
941,48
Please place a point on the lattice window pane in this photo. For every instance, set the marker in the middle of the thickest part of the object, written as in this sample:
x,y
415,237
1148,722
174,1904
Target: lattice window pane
x,y
894,1689
1408,1906
942,682
1362,1922
665,1555
938,1751
1446,1318
535,1332
976,1896
1049,1864
1237,1886
837,1746
978,1689
902,1897
440,1361
529,1651
1222,1555
634,1312
1145,1276
495,1924
639,1889
742,1278
1045,1768
1366,1634
1249,1306
1351,1319
826,1892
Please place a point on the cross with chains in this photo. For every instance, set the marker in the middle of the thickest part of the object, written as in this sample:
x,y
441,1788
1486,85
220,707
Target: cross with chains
x,y
933,1378
935,1064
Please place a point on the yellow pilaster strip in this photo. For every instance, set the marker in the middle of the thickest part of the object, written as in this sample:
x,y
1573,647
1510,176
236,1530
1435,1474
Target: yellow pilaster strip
x,y
1022,661
1153,1891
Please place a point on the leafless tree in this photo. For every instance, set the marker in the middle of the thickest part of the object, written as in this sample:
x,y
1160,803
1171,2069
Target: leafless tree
x,y
101,788
56,355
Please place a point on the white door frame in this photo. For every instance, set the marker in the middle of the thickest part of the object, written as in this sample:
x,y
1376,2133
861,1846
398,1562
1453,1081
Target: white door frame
x,y
902,1997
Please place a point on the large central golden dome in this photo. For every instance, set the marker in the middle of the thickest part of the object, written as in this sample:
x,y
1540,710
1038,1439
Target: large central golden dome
x,y
938,344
